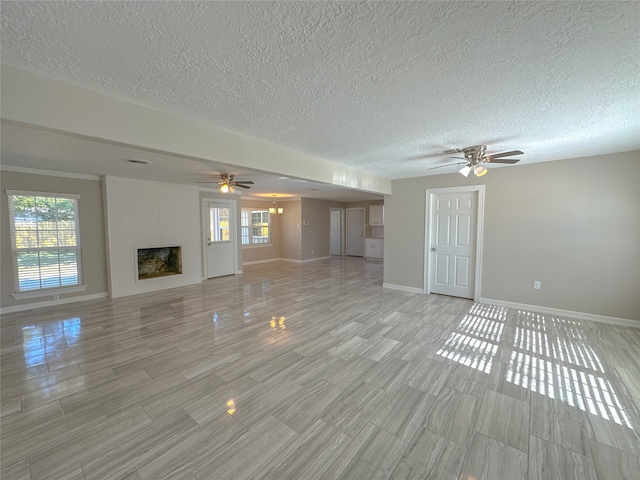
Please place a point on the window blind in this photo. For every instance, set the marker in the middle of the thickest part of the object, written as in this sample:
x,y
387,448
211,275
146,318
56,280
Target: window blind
x,y
45,240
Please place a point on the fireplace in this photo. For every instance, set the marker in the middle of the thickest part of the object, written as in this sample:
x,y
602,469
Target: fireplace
x,y
156,262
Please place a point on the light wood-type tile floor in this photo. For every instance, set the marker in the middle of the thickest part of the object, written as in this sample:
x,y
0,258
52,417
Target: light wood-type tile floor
x,y
314,371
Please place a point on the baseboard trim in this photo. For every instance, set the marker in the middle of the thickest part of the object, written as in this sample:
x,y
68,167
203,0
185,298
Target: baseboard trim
x,y
402,287
625,322
292,260
254,262
308,260
52,303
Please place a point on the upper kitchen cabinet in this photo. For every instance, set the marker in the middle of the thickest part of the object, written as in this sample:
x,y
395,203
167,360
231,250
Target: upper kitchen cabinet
x,y
376,215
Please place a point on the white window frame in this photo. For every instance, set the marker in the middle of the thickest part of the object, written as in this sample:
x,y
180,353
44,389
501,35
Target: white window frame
x,y
251,243
15,250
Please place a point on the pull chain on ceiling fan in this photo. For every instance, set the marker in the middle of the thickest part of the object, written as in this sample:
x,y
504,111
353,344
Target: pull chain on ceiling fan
x,y
475,157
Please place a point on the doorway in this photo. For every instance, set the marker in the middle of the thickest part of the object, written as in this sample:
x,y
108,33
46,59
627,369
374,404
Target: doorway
x,y
336,228
453,241
355,232
220,238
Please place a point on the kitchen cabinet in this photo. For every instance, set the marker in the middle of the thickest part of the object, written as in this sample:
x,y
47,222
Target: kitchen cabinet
x,y
374,248
376,215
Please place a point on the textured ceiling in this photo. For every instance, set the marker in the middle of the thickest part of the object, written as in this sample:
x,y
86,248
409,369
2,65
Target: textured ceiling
x,y
381,86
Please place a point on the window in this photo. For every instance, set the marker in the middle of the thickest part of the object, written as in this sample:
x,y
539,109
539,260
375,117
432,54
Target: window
x,y
45,241
219,224
255,226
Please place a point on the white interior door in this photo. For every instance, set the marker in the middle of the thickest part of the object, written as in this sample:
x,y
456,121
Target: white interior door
x,y
221,239
453,228
336,232
355,232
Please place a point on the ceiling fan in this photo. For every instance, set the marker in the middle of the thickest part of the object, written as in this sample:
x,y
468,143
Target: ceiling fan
x,y
227,183
475,156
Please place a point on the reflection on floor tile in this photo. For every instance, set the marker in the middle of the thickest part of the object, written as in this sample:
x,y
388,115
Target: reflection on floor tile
x,y
302,371
474,343
550,356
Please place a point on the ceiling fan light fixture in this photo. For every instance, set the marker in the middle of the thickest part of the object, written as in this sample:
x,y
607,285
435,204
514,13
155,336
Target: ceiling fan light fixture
x,y
465,170
475,156
224,188
479,171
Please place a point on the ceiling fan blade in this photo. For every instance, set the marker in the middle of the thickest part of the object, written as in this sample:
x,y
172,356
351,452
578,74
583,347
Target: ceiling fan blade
x,y
503,160
452,151
505,154
210,183
249,182
235,184
447,165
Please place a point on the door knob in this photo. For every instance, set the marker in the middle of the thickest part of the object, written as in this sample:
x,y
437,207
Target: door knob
x,y
433,249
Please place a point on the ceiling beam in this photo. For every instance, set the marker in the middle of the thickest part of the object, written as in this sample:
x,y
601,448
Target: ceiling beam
x,y
41,102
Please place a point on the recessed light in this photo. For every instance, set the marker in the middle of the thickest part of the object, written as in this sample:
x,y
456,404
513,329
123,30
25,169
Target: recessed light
x,y
137,162
314,189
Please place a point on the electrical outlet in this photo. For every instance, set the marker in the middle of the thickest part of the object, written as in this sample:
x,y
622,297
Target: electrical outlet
x,y
536,284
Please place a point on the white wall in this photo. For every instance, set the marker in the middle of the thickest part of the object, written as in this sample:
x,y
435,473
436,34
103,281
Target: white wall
x,y
148,214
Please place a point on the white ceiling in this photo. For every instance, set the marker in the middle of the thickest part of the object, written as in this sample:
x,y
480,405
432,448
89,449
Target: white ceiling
x,y
384,87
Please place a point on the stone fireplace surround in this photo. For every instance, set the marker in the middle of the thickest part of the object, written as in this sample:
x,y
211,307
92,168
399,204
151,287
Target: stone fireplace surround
x,y
157,262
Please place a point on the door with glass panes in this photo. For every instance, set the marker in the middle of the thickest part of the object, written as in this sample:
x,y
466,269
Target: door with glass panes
x,y
220,239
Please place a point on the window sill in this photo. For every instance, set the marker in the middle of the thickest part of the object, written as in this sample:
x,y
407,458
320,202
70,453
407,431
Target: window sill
x,y
55,292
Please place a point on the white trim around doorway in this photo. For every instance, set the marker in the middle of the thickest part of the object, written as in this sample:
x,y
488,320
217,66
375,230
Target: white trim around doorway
x,y
479,234
233,204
